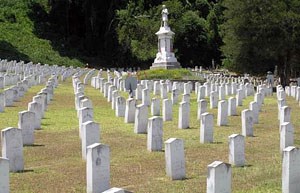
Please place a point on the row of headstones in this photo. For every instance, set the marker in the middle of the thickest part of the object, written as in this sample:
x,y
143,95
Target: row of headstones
x,y
291,154
8,79
111,93
219,174
240,79
293,91
142,91
175,164
154,138
97,172
285,115
286,140
210,77
246,115
139,113
68,72
27,69
286,128
12,70
249,117
154,125
12,94
174,155
230,85
13,139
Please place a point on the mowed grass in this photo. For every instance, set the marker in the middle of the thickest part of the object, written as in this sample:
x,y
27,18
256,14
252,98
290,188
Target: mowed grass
x,y
54,163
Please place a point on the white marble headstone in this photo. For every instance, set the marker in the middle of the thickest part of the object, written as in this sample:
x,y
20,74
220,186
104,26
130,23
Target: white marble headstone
x,y
175,159
98,168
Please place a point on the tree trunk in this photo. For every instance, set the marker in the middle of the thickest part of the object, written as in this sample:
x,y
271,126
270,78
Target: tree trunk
x,y
284,68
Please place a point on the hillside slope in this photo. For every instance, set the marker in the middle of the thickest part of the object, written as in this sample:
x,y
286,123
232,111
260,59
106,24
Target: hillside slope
x,y
20,37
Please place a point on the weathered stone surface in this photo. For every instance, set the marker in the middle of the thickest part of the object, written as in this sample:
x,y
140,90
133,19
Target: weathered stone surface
x,y
236,144
167,111
4,175
175,159
26,124
98,168
222,113
247,122
286,135
141,119
12,148
184,115
155,134
130,110
90,135
290,170
206,128
218,178
155,107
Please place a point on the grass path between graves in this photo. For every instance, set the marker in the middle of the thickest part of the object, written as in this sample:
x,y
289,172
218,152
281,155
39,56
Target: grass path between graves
x,y
54,163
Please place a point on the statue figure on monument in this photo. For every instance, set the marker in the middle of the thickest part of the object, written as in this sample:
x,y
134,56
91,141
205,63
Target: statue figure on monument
x,y
165,57
164,14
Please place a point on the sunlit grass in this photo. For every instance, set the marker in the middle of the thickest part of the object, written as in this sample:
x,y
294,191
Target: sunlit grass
x,y
55,164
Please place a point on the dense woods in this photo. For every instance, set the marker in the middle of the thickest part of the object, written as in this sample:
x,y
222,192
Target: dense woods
x,y
123,32
244,36
261,34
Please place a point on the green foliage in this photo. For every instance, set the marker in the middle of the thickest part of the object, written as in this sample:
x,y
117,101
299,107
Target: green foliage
x,y
118,33
171,74
195,33
18,40
261,34
136,31
192,40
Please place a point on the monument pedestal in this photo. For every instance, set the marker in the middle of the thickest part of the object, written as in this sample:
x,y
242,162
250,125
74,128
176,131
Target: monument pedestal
x,y
165,65
165,57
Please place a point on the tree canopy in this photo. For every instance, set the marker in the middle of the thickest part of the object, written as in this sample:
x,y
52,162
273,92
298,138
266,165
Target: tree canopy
x,y
122,33
261,34
244,36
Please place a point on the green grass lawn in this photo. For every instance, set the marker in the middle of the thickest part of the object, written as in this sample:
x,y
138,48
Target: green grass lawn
x,y
54,163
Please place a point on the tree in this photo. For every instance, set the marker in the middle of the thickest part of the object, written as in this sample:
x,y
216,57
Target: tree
x,y
122,32
87,26
261,34
136,28
192,40
195,35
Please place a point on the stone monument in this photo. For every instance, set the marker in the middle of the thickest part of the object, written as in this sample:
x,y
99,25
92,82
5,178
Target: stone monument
x,y
165,57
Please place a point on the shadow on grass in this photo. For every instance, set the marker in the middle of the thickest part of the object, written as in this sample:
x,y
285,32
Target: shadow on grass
x,y
24,171
34,145
222,126
192,128
217,142
187,178
158,151
9,52
12,106
245,166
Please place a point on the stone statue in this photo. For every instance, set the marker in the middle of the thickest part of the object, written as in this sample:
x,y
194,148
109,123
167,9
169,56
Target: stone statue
x,y
270,79
165,57
164,14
